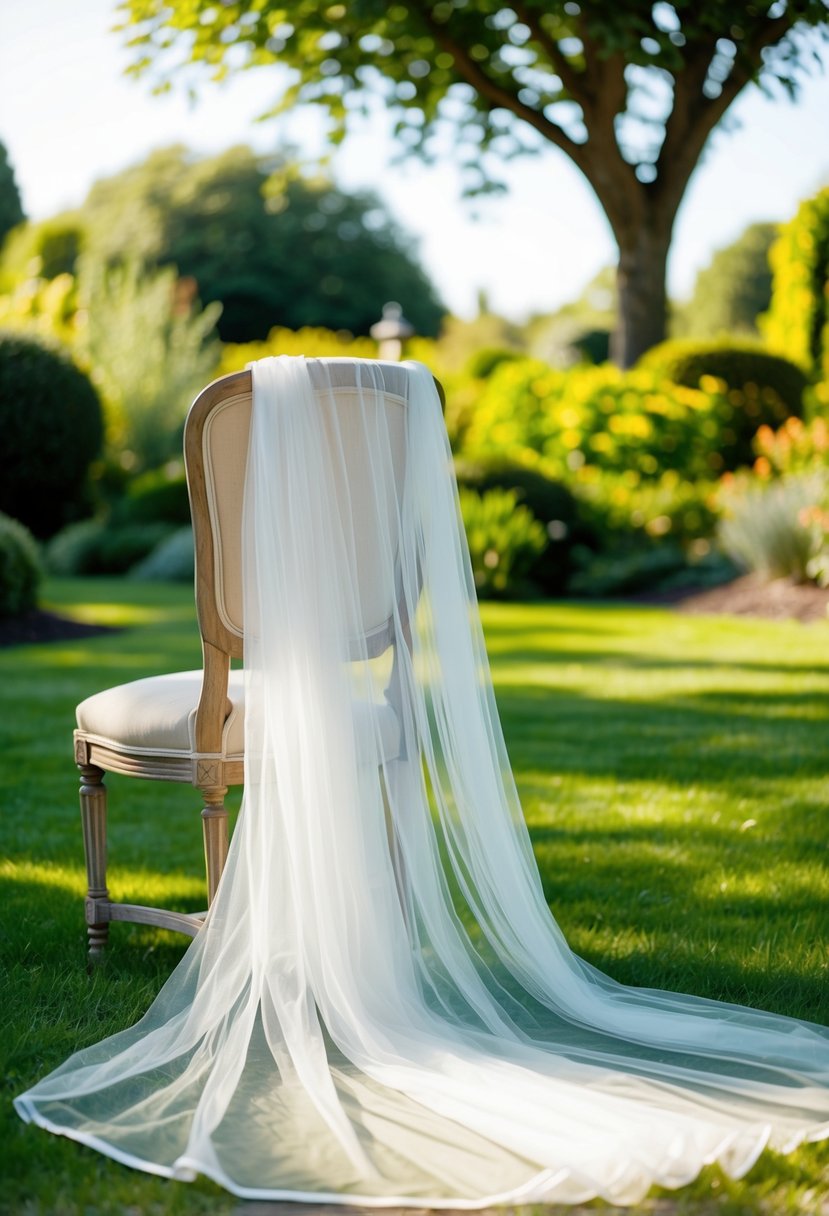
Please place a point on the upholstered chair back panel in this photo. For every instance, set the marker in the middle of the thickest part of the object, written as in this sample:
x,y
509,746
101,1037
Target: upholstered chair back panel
x,y
225,445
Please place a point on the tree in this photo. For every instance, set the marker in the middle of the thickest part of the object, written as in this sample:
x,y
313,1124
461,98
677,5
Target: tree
x,y
732,291
11,208
630,92
273,247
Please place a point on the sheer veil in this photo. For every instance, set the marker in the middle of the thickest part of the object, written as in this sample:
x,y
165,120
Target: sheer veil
x,y
380,1008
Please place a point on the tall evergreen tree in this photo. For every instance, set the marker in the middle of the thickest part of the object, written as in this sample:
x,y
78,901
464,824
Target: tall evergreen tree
x,y
11,208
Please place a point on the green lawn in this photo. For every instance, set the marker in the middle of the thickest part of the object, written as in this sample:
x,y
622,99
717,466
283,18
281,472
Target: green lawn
x,y
674,772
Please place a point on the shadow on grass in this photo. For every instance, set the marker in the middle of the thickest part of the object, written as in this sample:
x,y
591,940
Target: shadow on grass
x,y
548,656
648,907
48,929
704,737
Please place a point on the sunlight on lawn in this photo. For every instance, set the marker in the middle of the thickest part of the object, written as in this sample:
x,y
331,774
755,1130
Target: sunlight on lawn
x,y
130,881
91,657
123,615
673,775
119,603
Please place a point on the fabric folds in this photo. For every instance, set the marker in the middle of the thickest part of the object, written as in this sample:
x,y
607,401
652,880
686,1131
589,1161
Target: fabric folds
x,y
380,1009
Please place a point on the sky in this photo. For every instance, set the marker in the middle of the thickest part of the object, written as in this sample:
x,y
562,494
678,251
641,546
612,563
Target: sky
x,y
68,116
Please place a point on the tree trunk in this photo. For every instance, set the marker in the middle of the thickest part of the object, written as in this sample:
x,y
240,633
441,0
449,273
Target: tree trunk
x,y
643,303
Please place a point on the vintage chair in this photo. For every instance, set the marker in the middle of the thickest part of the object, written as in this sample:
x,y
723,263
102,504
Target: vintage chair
x,y
189,726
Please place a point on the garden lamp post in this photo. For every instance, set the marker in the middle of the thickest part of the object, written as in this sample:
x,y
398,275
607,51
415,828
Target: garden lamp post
x,y
391,331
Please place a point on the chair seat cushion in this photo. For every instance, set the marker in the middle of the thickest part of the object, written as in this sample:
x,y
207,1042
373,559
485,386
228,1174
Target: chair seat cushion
x,y
157,716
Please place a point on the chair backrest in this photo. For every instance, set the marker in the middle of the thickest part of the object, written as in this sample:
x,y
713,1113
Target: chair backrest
x,y
215,445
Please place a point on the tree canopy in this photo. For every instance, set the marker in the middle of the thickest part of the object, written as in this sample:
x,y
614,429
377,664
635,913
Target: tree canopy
x,y
273,247
630,92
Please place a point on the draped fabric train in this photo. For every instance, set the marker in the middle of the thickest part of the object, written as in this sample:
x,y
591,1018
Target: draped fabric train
x,y
396,1019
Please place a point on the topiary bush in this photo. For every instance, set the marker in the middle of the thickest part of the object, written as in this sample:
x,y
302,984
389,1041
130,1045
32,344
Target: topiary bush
x,y
758,388
52,427
505,541
20,569
74,549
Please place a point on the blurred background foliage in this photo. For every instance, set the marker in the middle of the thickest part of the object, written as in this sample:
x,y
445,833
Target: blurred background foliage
x,y
271,246
733,290
710,456
629,93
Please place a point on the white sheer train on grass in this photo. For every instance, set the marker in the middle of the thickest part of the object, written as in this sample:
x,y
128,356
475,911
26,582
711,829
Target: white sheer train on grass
x,y
394,1018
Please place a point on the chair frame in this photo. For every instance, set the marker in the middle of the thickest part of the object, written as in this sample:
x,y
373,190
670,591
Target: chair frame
x,y
205,767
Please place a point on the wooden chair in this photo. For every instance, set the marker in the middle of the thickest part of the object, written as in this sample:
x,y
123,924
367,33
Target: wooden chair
x,y
189,726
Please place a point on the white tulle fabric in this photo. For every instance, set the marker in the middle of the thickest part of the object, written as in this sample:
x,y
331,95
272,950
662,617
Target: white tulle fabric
x,y
380,1008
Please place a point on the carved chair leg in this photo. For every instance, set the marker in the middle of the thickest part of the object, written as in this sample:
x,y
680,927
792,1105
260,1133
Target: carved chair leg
x,y
94,821
214,823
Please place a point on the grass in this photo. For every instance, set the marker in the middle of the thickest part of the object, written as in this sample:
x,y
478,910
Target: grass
x,y
674,776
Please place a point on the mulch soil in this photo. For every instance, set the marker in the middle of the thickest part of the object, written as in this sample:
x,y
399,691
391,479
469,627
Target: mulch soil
x,y
780,600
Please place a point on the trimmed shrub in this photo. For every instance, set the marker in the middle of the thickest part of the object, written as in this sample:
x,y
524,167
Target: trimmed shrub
x,y
759,389
173,560
52,427
20,569
552,504
505,541
74,548
96,547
